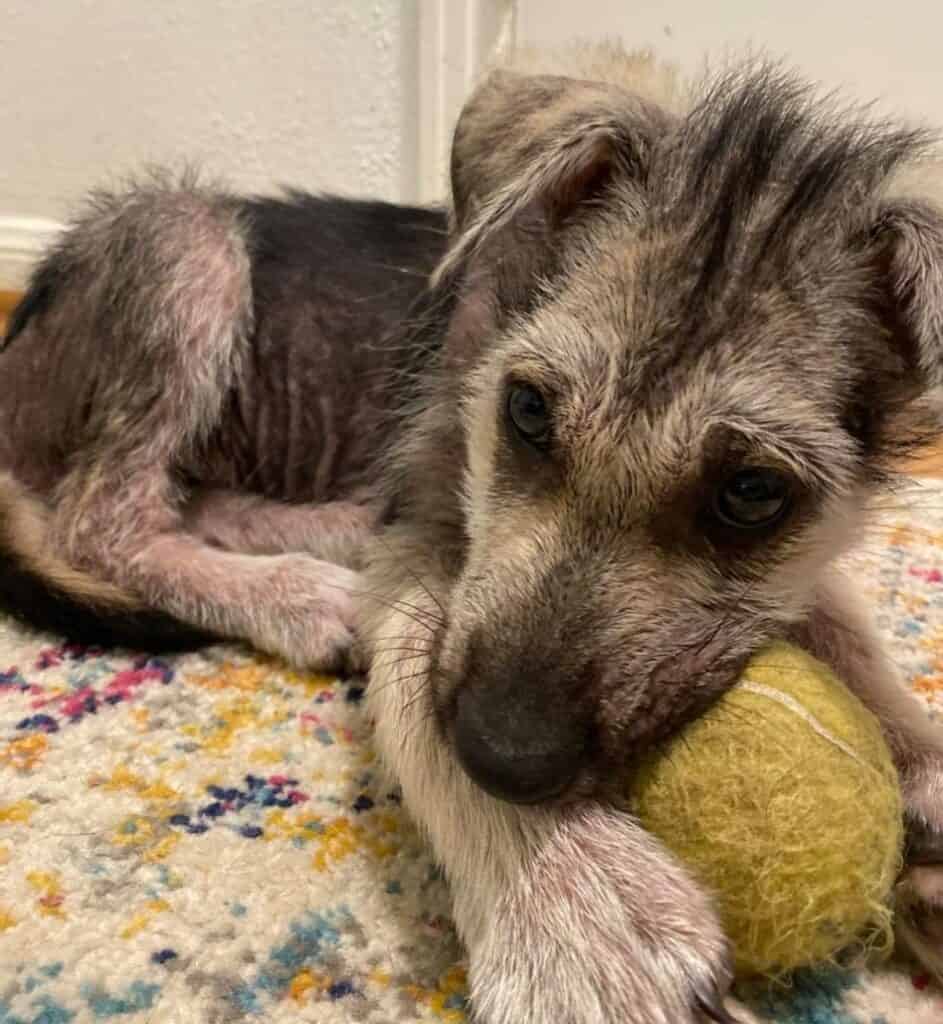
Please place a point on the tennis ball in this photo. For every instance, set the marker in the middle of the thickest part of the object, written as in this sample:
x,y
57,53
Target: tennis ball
x,y
783,800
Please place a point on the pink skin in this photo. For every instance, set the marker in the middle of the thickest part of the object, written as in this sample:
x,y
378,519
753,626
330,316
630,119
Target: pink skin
x,y
334,531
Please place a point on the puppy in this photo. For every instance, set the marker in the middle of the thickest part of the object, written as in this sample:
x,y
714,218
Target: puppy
x,y
565,457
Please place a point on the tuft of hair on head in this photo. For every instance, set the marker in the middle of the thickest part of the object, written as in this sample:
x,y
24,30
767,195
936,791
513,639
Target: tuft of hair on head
x,y
762,162
758,179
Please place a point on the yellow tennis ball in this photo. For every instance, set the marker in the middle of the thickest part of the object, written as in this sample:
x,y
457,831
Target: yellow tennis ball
x,y
783,800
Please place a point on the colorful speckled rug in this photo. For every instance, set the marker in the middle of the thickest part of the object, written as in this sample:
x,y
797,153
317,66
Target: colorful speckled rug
x,y
205,839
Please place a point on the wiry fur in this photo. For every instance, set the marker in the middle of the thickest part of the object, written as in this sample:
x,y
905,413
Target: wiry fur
x,y
158,396
735,279
697,279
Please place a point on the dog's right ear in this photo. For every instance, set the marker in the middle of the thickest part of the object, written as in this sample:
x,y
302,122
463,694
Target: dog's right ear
x,y
531,151
896,410
908,236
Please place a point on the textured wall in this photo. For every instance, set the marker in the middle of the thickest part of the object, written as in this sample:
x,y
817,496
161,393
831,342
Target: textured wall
x,y
307,92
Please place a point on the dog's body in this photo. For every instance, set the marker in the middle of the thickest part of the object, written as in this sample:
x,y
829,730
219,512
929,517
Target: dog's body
x,y
669,354
146,426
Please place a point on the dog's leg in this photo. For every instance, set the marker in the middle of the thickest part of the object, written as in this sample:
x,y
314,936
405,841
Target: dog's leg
x,y
841,632
295,606
335,531
569,915
162,277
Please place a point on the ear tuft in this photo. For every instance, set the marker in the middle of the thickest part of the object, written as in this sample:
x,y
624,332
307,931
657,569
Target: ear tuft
x,y
544,145
910,240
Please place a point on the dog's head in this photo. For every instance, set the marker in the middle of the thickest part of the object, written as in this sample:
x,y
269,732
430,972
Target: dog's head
x,y
683,350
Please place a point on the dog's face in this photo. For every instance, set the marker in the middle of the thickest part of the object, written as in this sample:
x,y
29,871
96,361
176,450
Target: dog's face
x,y
680,364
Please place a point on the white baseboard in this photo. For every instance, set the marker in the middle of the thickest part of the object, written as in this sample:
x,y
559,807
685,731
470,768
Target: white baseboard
x,y
448,45
450,42
22,241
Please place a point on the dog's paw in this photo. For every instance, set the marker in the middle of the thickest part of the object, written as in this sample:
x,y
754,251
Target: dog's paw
x,y
603,968
605,929
309,617
922,786
540,984
919,915
920,890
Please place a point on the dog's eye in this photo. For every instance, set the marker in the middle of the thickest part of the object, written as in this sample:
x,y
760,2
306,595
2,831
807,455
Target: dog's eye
x,y
528,413
753,497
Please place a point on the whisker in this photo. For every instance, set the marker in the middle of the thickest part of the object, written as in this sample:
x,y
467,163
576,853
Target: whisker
x,y
398,680
417,725
428,620
401,636
404,661
394,650
418,580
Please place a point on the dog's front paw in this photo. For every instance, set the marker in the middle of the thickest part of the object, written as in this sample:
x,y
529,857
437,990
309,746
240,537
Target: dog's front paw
x,y
309,617
604,928
920,891
653,980
922,785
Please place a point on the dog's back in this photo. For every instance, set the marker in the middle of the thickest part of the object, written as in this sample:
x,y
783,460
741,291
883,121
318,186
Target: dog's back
x,y
309,291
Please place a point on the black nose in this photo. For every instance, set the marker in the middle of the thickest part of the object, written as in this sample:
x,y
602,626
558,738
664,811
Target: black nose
x,y
515,752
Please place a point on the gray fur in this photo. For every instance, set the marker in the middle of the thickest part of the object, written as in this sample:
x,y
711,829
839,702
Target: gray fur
x,y
695,283
155,380
742,282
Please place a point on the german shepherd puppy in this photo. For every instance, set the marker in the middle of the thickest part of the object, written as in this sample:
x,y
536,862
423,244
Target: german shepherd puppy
x,y
555,462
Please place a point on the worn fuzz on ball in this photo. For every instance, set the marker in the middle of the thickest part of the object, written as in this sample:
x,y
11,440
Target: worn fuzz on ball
x,y
783,800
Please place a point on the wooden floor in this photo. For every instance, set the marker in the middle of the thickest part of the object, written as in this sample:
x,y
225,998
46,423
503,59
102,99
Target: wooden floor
x,y
930,464
7,301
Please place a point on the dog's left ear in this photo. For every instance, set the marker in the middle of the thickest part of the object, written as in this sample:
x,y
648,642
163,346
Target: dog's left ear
x,y
530,151
541,136
908,239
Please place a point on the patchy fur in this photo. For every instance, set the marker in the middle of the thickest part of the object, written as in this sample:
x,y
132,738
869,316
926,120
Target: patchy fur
x,y
158,418
729,280
259,399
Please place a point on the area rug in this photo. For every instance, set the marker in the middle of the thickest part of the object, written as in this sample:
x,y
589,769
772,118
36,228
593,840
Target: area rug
x,y
206,839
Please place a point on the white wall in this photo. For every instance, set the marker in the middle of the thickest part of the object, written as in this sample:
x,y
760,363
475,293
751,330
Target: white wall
x,y
307,92
356,96
872,49
351,96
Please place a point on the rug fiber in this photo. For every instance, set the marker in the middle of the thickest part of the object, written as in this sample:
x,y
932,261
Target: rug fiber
x,y
206,839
